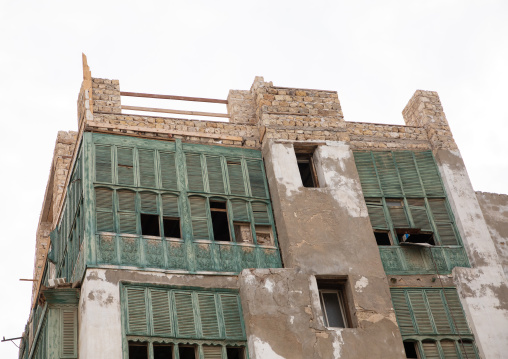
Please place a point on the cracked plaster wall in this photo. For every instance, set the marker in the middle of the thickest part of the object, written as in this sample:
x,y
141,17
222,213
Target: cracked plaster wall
x,y
322,232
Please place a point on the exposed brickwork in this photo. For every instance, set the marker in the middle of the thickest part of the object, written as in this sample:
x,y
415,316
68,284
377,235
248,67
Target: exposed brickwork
x,y
106,96
241,107
424,109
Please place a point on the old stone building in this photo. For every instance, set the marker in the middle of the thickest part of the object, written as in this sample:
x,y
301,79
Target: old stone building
x,y
285,232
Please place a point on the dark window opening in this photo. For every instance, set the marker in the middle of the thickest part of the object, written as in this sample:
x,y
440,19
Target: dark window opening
x,y
307,170
220,226
235,353
217,205
162,351
332,296
383,238
243,233
150,225
171,227
410,348
414,235
138,350
187,352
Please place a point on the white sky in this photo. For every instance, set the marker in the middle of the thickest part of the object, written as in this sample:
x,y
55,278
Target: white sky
x,y
374,53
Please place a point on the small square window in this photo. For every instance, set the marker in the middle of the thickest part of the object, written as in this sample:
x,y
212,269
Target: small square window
x,y
264,235
172,227
383,238
411,350
187,352
162,351
138,350
305,160
243,233
235,353
150,225
332,296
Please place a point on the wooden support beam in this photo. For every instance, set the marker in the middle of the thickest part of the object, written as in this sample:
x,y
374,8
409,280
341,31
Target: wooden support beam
x,y
171,97
179,112
91,125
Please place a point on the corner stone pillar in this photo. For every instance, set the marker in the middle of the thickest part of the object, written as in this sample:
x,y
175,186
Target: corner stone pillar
x,y
482,288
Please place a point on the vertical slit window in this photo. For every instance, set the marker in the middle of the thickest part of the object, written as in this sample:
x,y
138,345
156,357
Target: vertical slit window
x,y
307,169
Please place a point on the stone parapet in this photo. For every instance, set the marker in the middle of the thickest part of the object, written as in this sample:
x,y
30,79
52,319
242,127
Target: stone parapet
x,y
106,96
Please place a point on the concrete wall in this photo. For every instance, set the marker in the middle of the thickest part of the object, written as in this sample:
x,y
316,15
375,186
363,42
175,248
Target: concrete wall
x,y
495,211
322,232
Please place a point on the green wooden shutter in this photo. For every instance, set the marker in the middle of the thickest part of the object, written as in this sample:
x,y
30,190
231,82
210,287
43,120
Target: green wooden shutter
x,y
256,178
438,310
208,315
449,349
104,209
125,164
185,314
215,177
149,202
429,173
419,214
161,312
377,216
398,214
260,212
430,349
231,315
402,312
240,210
467,350
387,174
199,217
146,168
420,312
235,173
103,163
212,352
127,211
136,311
408,174
168,170
455,308
194,173
367,174
69,333
443,221
170,205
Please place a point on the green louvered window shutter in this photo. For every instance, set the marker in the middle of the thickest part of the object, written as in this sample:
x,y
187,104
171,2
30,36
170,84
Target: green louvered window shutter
x,y
235,173
420,311
168,170
170,205
260,212
231,315
429,174
147,168
215,177
430,349
467,350
127,217
449,349
185,314
125,165
136,311
455,308
419,214
69,332
194,173
240,210
438,310
408,174
212,352
149,202
367,173
387,174
256,178
103,164
402,312
376,213
161,313
208,315
443,222
104,209
199,217
397,213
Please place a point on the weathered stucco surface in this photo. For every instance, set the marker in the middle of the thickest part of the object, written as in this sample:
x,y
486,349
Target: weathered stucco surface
x,y
495,211
483,289
322,232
